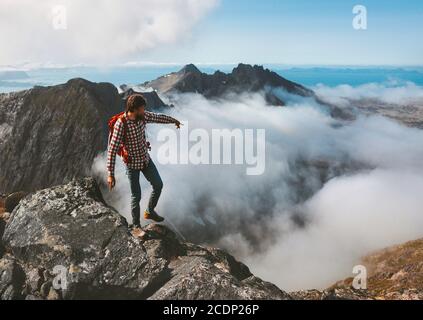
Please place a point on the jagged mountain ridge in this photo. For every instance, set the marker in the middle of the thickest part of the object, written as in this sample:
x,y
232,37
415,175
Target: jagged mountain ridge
x,y
243,78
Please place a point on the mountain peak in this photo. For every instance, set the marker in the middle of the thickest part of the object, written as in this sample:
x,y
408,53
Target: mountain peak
x,y
247,67
243,78
190,68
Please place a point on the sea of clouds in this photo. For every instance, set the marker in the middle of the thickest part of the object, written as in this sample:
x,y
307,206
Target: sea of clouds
x,y
391,92
331,193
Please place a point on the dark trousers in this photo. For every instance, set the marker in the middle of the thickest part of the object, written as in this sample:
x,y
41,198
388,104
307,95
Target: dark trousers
x,y
152,176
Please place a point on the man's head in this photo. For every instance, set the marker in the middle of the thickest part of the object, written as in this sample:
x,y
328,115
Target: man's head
x,y
136,104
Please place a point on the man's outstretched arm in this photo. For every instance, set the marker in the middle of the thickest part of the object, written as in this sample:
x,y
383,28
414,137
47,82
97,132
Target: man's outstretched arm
x,y
114,144
151,117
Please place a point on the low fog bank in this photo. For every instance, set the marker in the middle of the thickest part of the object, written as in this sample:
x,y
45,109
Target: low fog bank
x,y
350,217
393,92
331,191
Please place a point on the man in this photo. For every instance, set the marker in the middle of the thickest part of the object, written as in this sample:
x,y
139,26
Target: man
x,y
129,130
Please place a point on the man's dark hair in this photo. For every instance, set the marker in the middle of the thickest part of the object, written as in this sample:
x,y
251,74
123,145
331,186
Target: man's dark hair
x,y
134,102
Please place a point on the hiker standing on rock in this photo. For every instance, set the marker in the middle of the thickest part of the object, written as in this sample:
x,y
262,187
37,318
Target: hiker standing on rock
x,y
127,139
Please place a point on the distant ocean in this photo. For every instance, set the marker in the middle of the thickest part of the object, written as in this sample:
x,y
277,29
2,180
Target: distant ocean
x,y
308,76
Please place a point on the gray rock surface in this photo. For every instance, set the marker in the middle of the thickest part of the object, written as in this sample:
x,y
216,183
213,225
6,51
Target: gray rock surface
x,y
3,216
2,226
11,279
71,227
49,135
333,294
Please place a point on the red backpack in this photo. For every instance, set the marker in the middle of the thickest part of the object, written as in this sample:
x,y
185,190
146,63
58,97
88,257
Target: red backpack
x,y
122,151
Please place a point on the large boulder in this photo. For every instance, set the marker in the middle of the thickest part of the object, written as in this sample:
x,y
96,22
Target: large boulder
x,y
50,135
69,230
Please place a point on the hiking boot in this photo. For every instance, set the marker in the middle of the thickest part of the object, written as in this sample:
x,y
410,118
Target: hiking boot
x,y
135,224
152,216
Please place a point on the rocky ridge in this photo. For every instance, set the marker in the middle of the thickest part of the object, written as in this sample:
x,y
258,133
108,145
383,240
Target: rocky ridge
x,y
71,228
68,231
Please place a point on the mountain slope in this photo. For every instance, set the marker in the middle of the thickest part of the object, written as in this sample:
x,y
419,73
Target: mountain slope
x,y
395,273
407,113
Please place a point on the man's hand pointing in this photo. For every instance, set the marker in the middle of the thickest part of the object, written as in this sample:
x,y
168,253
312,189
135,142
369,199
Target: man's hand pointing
x,y
111,182
178,124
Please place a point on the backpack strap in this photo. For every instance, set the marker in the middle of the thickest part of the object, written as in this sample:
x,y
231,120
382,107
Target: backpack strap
x,y
125,127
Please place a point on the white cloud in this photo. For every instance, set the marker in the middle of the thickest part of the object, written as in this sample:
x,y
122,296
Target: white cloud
x,y
393,92
351,216
97,31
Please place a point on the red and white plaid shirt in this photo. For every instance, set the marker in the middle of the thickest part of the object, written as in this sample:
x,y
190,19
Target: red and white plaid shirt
x,y
135,143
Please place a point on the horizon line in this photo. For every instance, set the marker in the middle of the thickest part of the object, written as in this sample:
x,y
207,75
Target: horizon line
x,y
27,66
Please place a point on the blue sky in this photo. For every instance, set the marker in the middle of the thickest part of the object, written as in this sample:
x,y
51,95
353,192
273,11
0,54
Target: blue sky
x,y
302,32
291,32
